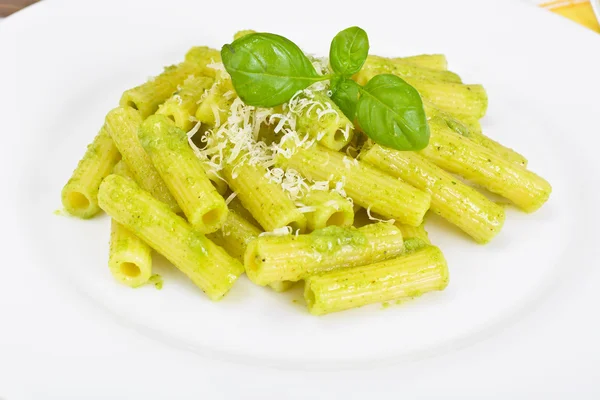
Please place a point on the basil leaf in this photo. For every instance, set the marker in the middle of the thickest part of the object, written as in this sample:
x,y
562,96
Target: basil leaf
x,y
390,112
267,69
349,50
345,94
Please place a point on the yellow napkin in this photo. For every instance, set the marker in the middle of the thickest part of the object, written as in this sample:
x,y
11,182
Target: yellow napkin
x,y
580,11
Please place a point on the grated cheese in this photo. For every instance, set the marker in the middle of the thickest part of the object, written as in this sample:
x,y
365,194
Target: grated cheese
x,y
237,139
230,198
372,218
286,230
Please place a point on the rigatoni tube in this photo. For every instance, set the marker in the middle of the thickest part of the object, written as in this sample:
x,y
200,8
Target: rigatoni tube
x,y
328,208
279,258
266,201
471,128
407,276
460,156
462,100
505,152
80,194
415,237
182,105
368,186
129,257
454,201
432,61
205,263
322,119
214,106
400,67
183,173
203,57
123,123
148,96
235,235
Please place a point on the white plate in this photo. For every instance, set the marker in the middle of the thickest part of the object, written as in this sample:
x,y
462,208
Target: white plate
x,y
520,314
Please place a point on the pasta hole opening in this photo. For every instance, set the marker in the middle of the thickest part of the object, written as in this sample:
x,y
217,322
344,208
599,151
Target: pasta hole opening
x,y
212,217
131,103
339,137
295,226
78,200
337,219
130,270
171,117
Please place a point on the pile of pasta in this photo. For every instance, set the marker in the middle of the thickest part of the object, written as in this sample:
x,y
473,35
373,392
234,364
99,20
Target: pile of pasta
x,y
296,193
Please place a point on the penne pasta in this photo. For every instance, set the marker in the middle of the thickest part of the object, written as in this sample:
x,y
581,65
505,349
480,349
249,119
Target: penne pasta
x,y
130,258
123,123
291,258
183,173
205,263
80,195
366,185
454,201
380,65
182,105
456,154
266,201
407,276
321,119
146,97
431,61
330,209
235,235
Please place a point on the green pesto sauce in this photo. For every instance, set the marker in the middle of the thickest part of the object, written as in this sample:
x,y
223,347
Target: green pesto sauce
x,y
413,244
333,238
157,280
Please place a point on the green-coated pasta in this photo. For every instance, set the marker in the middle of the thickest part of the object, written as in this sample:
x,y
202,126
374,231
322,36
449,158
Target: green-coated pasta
x,y
148,96
431,61
205,263
407,276
414,237
183,173
235,235
454,201
402,68
368,186
462,100
123,124
213,107
80,194
129,258
203,57
266,201
182,105
471,128
330,208
458,155
322,119
291,258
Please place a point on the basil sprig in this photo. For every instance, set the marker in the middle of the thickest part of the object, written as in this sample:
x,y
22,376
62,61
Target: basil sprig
x,y
267,70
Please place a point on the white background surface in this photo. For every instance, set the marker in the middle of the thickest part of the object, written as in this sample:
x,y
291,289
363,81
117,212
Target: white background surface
x,y
56,343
